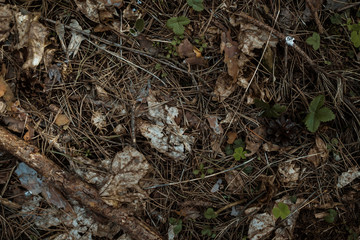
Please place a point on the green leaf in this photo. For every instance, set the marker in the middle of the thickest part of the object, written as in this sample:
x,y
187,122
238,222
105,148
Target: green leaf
x,y
314,41
317,103
312,123
177,24
197,5
210,171
355,38
206,232
210,213
196,172
248,170
229,150
331,217
238,143
336,19
270,111
325,114
281,210
318,114
261,104
177,223
139,25
239,153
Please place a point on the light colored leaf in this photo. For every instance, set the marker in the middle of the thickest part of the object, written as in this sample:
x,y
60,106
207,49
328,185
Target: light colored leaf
x,y
62,120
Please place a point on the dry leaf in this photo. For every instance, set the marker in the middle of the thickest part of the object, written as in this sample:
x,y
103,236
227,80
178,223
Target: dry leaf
x,y
101,93
231,52
214,124
127,168
232,136
270,147
14,124
190,53
288,172
6,19
318,153
33,36
76,39
2,107
348,177
60,31
90,8
120,129
224,87
254,140
99,120
62,120
261,226
235,182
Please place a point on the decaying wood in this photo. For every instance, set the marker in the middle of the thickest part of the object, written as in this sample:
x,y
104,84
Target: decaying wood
x,y
73,186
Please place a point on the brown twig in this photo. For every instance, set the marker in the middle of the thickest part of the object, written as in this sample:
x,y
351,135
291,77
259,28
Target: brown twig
x,y
74,186
315,14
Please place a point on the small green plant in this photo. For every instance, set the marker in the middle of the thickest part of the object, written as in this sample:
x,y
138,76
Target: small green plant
x,y
355,34
317,114
197,5
281,210
270,111
177,223
229,148
138,28
330,218
210,213
177,24
201,171
239,153
200,43
207,231
314,41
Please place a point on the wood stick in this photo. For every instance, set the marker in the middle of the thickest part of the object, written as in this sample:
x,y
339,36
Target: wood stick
x,y
74,187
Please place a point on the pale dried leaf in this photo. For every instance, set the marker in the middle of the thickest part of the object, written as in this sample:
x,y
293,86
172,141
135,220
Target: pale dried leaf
x,y
214,124
261,226
120,129
128,167
2,107
76,39
99,120
348,177
62,120
288,172
216,186
90,8
270,147
234,180
36,42
14,124
22,26
60,31
224,87
6,18
102,94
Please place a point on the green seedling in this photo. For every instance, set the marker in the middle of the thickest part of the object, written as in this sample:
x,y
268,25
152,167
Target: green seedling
x,y
330,218
201,171
317,114
177,223
355,34
207,231
270,111
336,19
314,41
210,213
239,153
281,210
177,24
229,148
197,5
138,28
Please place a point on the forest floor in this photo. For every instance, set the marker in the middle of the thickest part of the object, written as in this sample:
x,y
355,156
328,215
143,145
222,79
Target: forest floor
x,y
199,119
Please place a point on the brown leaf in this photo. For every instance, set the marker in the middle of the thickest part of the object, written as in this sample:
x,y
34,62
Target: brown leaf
x,y
224,87
235,181
147,45
230,49
254,140
318,153
192,120
196,61
6,18
61,120
186,49
288,172
231,137
14,124
214,124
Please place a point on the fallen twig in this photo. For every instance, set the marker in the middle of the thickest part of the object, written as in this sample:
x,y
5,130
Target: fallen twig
x,y
73,186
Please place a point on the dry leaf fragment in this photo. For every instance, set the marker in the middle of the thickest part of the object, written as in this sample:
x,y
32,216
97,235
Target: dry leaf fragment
x,y
261,226
90,8
232,136
235,182
348,177
6,18
127,168
224,87
254,140
62,120
190,53
318,153
99,120
231,52
36,41
76,39
214,124
14,124
288,172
